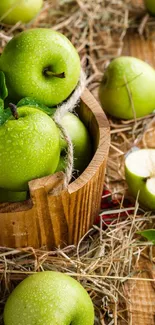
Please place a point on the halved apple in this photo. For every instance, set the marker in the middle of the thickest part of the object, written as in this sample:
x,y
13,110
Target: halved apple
x,y
140,176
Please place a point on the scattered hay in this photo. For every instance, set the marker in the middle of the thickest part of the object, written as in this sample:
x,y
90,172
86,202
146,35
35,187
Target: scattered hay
x,y
103,262
108,255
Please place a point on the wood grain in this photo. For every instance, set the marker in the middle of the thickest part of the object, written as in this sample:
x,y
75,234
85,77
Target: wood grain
x,y
140,47
56,216
141,294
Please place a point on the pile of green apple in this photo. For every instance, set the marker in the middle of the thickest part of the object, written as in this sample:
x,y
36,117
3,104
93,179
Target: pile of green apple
x,y
49,298
39,69
127,91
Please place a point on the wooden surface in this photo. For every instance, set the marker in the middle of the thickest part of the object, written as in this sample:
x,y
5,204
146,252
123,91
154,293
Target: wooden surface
x,y
140,47
56,216
141,294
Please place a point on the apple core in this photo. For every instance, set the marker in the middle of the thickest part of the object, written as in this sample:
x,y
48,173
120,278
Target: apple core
x,y
140,176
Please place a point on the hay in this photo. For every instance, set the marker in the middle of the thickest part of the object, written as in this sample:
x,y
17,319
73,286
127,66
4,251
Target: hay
x,y
108,255
103,261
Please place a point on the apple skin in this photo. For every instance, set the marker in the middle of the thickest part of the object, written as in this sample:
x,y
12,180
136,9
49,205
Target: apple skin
x,y
12,11
29,148
49,298
137,186
113,93
9,196
150,6
33,51
81,143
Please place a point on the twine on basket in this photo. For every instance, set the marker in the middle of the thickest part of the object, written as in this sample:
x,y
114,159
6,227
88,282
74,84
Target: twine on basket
x,y
69,106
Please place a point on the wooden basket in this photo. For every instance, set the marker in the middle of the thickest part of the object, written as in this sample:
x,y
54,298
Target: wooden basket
x,y
55,216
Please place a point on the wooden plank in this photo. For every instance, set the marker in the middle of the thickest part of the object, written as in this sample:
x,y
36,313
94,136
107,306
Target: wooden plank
x,y
141,48
141,295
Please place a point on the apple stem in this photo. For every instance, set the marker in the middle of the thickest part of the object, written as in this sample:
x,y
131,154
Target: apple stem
x,y
48,72
14,112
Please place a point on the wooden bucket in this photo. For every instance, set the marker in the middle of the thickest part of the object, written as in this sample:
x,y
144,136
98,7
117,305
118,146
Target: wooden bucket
x,y
55,216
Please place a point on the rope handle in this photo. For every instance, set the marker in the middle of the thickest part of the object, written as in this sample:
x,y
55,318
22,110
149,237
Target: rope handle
x,y
69,106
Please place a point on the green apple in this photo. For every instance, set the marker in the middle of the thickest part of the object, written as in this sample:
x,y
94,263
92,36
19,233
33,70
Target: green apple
x,y
12,11
40,63
140,176
81,140
49,298
150,6
128,88
29,148
10,196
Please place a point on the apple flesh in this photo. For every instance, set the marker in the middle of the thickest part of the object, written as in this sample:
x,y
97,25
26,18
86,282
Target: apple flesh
x,y
140,176
29,148
10,196
45,66
12,11
127,88
81,140
150,6
49,298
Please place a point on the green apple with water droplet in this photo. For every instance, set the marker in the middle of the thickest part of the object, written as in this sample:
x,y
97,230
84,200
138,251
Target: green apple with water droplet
x,y
13,11
82,143
150,6
127,89
49,298
40,63
140,176
29,148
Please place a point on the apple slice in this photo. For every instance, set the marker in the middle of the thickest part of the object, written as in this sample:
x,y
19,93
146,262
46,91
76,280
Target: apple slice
x,y
140,176
151,185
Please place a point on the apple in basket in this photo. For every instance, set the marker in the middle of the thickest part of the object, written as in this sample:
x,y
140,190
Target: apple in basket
x,y
12,11
40,63
140,176
82,147
10,196
29,147
127,88
49,298
77,131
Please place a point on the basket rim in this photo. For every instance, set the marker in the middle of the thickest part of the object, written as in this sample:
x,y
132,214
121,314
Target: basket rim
x,y
99,157
101,153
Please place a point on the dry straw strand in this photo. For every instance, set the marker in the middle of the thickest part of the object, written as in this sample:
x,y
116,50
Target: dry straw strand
x,y
109,254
